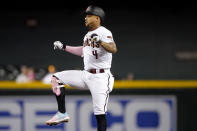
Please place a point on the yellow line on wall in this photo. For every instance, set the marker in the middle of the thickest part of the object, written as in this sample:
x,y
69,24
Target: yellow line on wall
x,y
119,84
157,84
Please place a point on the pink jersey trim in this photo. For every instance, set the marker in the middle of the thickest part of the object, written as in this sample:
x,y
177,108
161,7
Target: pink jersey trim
x,y
76,50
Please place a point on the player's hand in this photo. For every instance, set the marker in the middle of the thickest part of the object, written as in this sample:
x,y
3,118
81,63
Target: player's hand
x,y
59,45
95,38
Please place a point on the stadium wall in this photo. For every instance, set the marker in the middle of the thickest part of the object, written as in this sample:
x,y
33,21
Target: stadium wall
x,y
171,101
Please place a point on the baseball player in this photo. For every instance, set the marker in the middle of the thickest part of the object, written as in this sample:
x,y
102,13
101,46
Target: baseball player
x,y
96,51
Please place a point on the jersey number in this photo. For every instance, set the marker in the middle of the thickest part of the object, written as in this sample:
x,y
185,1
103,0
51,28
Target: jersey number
x,y
95,53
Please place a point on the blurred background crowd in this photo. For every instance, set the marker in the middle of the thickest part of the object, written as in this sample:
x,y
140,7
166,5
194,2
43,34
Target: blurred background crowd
x,y
155,39
24,73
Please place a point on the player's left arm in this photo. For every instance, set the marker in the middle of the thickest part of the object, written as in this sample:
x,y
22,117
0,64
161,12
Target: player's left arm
x,y
110,47
106,41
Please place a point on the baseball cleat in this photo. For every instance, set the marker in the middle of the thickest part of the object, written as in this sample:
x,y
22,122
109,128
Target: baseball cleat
x,y
58,118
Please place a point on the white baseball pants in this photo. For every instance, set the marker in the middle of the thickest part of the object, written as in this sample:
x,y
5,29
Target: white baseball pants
x,y
99,84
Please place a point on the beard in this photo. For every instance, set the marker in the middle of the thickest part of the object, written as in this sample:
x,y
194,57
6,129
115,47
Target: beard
x,y
90,25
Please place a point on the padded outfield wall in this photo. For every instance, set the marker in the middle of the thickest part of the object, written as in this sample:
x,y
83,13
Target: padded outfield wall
x,y
133,105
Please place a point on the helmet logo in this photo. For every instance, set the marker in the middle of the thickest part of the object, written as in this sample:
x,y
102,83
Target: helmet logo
x,y
87,8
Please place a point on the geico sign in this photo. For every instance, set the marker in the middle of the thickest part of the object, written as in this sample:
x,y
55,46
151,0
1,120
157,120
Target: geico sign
x,y
125,113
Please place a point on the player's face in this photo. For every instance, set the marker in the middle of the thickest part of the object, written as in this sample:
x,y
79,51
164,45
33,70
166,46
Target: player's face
x,y
90,20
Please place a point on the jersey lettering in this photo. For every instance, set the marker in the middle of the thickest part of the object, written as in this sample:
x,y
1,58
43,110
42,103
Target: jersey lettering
x,y
88,42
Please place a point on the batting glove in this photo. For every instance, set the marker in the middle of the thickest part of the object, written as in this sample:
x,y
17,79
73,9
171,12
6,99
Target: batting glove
x,y
95,38
59,45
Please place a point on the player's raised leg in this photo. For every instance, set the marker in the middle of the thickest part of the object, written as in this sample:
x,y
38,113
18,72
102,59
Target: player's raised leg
x,y
72,78
59,91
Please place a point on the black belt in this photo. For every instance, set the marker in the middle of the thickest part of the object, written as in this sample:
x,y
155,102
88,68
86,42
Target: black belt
x,y
94,71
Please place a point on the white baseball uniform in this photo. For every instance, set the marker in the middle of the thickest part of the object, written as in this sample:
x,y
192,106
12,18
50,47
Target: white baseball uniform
x,y
95,57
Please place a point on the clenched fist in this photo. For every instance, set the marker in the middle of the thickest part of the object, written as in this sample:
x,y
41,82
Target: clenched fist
x,y
95,38
59,45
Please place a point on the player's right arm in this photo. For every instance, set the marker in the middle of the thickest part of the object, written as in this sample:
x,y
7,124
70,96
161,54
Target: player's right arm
x,y
76,50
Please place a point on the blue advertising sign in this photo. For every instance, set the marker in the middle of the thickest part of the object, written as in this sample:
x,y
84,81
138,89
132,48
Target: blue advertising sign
x,y
125,113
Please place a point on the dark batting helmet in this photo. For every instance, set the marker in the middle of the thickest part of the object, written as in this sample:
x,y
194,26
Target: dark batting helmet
x,y
95,10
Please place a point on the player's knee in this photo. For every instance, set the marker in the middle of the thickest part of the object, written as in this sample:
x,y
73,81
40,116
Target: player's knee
x,y
56,85
55,81
99,110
